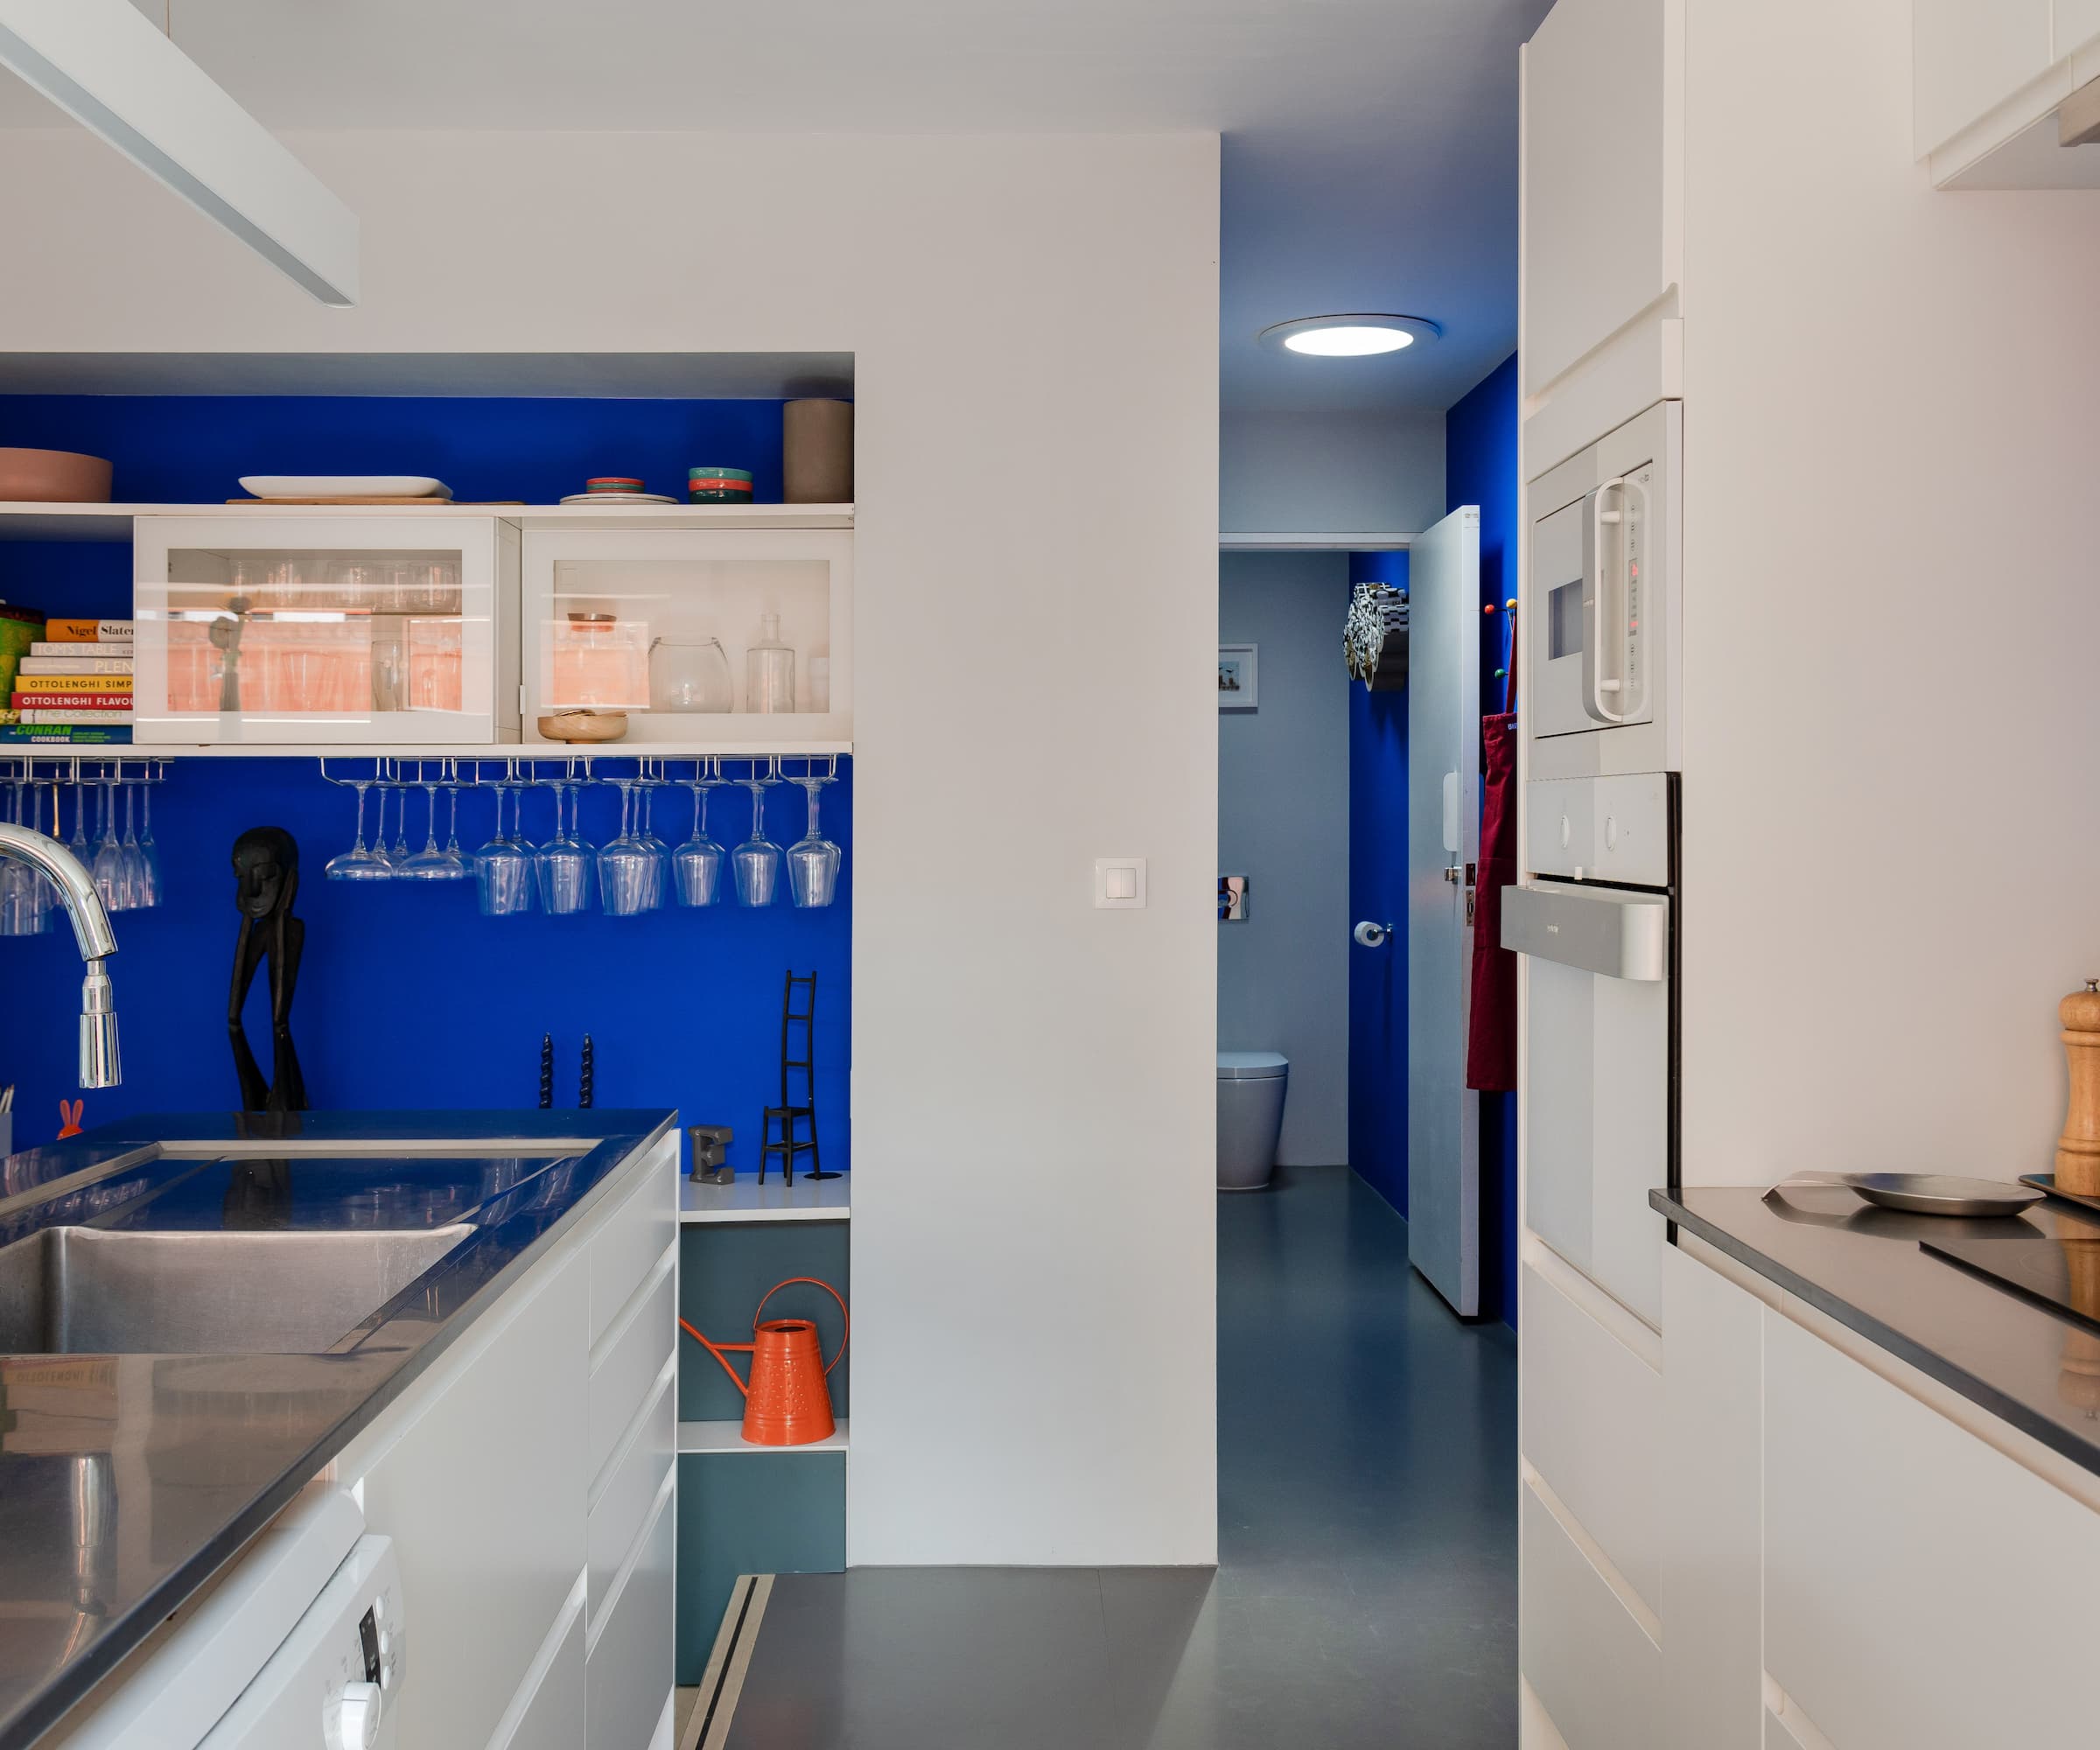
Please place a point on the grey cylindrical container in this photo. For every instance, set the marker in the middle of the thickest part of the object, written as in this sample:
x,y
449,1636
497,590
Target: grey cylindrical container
x,y
1251,1085
816,452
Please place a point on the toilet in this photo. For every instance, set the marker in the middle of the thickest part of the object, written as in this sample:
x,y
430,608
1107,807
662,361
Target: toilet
x,y
1250,1116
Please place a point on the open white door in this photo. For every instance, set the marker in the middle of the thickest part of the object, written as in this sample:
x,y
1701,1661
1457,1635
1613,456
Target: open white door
x,y
1443,849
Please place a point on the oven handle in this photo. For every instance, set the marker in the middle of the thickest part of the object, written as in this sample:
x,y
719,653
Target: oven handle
x,y
1605,930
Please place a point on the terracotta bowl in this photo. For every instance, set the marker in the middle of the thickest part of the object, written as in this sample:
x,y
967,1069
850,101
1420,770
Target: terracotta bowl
x,y
52,476
579,725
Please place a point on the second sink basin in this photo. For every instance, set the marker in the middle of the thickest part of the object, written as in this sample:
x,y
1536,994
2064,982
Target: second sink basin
x,y
95,1290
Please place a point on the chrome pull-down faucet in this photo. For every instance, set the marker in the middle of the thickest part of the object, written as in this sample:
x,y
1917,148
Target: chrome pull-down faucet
x,y
100,1066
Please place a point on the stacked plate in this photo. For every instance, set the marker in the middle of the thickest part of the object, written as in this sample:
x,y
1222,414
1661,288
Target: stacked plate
x,y
616,489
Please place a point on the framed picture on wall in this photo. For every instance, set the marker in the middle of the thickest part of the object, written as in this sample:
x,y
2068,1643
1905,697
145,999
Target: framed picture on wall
x,y
1239,677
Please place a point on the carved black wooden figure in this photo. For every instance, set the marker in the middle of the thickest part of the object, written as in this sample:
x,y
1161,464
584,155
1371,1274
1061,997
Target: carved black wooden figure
x,y
266,870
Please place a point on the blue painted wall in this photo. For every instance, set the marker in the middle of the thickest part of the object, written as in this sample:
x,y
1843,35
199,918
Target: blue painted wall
x,y
1378,889
1481,467
177,449
407,997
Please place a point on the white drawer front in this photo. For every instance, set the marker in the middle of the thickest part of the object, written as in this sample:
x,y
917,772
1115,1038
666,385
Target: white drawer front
x,y
1590,1664
622,1508
625,1375
627,1678
551,1717
627,1247
1591,1427
1923,1592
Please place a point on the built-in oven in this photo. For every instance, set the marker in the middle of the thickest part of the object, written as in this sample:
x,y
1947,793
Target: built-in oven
x,y
1601,637
1595,913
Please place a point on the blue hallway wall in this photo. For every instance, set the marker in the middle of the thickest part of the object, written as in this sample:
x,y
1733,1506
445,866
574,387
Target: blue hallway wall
x,y
1378,891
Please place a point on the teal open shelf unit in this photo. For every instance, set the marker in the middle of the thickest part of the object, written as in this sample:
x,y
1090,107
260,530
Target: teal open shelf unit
x,y
753,1509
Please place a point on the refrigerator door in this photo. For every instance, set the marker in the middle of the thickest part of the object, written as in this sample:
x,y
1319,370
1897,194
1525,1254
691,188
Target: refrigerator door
x,y
1597,1078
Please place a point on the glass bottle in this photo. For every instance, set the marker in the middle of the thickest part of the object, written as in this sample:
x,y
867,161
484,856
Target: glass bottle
x,y
769,670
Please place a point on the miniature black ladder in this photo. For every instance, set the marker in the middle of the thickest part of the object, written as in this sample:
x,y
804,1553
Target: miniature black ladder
x,y
789,1114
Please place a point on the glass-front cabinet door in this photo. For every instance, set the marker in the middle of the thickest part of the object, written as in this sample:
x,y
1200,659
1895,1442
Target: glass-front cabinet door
x,y
265,630
698,638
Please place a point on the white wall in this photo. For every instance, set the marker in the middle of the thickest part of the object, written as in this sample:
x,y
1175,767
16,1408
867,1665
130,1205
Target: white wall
x,y
1331,473
1033,1119
1891,617
1283,822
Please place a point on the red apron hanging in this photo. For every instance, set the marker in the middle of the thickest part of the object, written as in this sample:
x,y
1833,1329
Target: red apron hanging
x,y
1491,1030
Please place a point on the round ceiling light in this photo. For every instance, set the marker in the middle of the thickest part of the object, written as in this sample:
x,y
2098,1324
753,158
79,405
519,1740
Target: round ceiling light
x,y
1358,335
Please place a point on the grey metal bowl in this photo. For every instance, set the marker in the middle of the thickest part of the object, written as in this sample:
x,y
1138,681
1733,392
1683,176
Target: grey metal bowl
x,y
1937,1193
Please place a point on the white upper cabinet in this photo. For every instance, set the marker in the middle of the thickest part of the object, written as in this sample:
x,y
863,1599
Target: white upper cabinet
x,y
1603,223
1987,77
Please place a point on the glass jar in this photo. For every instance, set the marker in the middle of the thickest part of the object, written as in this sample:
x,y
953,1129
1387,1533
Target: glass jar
x,y
769,670
690,675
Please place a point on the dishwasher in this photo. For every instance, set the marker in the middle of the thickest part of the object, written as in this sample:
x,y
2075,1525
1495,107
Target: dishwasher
x,y
296,1642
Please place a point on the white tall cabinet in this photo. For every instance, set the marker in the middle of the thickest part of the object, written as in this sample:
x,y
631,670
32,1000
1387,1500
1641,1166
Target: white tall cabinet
x,y
1886,466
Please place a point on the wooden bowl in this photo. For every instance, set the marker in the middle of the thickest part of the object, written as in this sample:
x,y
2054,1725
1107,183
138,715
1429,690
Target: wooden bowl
x,y
581,725
52,476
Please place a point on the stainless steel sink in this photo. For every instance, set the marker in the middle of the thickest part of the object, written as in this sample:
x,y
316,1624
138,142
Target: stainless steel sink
x,y
95,1290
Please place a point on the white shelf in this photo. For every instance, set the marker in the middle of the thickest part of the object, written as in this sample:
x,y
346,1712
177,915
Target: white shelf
x,y
716,1437
746,1200
20,521
544,752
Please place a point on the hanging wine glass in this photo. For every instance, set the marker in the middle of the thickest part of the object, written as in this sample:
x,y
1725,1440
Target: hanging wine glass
x,y
698,863
630,879
503,867
149,852
357,863
565,863
813,860
431,864
757,861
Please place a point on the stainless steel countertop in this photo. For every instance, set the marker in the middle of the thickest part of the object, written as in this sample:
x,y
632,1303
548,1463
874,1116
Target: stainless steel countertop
x,y
1863,1267
127,1481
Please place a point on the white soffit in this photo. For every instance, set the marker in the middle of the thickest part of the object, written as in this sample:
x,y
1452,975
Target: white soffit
x,y
106,64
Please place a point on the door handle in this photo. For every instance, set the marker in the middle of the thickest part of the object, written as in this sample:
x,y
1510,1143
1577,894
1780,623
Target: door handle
x,y
1458,872
1598,684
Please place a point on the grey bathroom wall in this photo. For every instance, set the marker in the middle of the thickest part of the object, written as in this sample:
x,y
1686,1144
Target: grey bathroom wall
x,y
1283,822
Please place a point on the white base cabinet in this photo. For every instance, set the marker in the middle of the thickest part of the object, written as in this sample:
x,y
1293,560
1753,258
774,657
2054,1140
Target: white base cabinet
x,y
1841,1565
528,1481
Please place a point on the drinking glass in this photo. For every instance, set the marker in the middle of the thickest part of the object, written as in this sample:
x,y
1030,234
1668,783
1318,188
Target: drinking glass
x,y
356,864
647,782
565,862
503,866
630,876
757,861
108,866
149,852
698,863
25,897
399,853
430,864
813,860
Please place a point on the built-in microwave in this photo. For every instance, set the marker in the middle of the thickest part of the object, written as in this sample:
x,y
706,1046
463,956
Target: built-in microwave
x,y
1601,633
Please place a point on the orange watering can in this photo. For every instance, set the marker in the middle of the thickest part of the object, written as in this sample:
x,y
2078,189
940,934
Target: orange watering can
x,y
787,1402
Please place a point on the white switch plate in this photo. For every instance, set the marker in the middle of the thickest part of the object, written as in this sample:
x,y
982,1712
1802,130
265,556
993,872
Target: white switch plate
x,y
1119,882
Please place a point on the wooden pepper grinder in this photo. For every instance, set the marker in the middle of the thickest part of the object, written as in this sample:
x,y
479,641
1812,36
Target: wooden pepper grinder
x,y
2078,1148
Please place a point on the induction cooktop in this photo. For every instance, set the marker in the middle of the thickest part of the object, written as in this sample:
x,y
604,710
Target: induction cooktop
x,y
2060,1275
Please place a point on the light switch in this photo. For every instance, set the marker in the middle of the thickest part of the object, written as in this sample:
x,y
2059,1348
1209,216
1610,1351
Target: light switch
x,y
1119,882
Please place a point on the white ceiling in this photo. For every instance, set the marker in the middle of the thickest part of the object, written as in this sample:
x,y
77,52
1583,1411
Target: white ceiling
x,y
1370,145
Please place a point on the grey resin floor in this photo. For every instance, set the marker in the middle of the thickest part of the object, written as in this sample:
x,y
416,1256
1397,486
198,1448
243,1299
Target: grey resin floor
x,y
1366,1594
